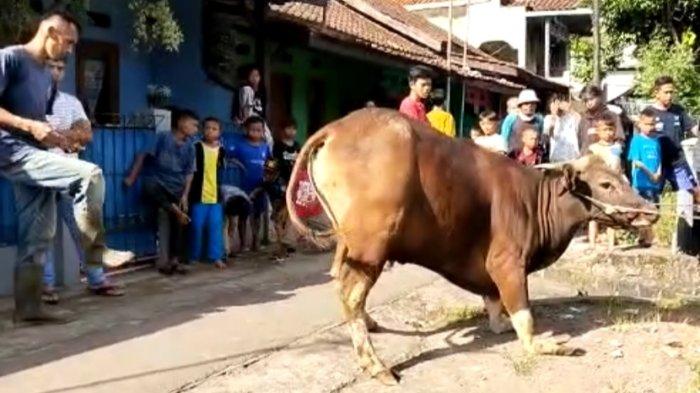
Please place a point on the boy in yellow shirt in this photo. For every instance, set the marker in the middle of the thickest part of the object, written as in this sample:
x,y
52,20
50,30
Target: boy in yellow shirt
x,y
207,212
439,118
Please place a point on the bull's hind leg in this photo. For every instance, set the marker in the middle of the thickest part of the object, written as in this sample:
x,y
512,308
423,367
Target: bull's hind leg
x,y
498,321
354,283
512,284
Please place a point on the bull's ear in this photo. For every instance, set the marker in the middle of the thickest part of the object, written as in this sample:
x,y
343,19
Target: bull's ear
x,y
569,179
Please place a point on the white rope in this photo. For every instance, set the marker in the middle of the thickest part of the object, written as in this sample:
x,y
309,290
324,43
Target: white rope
x,y
610,209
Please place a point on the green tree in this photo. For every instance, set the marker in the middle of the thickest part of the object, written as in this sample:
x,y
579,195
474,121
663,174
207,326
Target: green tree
x,y
664,33
18,17
644,19
582,54
662,56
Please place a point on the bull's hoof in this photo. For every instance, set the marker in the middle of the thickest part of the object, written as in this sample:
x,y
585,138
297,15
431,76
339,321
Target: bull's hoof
x,y
387,377
556,348
501,325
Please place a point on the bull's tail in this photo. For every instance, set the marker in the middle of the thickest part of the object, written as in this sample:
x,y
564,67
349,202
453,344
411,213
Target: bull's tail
x,y
322,239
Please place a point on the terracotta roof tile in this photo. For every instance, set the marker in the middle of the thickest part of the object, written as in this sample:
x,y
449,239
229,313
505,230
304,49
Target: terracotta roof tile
x,y
547,5
535,5
355,26
335,18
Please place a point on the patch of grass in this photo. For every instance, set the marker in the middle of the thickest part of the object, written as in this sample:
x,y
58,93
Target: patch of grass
x,y
453,315
665,228
524,364
623,317
671,304
694,386
624,323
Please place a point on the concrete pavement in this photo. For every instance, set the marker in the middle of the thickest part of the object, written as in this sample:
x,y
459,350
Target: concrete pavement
x,y
169,332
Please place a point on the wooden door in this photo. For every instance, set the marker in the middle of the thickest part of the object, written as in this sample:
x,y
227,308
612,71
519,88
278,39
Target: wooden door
x,y
280,102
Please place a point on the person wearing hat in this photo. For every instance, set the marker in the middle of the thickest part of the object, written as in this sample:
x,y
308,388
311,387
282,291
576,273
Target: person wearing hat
x,y
438,117
513,123
593,98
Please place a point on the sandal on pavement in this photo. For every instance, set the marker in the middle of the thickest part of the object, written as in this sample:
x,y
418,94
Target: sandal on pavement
x,y
49,296
107,290
180,269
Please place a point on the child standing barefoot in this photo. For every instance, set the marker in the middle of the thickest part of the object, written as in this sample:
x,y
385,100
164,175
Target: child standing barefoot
x,y
252,152
207,213
611,152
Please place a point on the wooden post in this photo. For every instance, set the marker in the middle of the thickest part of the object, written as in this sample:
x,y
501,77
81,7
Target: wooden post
x,y
465,67
547,46
449,57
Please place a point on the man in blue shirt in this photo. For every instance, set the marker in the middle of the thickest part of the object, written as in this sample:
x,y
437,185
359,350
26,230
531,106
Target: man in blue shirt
x,y
37,175
673,125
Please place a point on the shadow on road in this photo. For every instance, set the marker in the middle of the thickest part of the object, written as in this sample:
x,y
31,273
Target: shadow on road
x,y
573,316
155,304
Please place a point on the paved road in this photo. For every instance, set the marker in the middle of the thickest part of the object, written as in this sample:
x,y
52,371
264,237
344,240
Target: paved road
x,y
168,332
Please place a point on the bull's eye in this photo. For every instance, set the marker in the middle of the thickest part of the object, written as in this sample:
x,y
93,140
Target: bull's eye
x,y
606,185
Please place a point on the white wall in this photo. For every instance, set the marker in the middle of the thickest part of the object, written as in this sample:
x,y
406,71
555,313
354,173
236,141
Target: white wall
x,y
488,21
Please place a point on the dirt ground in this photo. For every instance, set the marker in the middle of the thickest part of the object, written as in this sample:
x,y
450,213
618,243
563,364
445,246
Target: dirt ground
x,y
438,340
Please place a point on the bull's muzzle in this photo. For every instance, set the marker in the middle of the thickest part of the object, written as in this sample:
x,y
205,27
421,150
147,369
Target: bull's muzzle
x,y
646,216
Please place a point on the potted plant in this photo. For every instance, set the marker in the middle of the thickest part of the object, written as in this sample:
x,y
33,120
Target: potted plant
x,y
155,26
158,96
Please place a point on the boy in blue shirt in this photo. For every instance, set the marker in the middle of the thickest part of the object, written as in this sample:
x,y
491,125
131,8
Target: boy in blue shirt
x,y
166,186
644,157
252,152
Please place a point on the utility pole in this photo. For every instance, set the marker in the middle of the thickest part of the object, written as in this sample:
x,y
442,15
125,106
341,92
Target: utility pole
x,y
596,42
449,57
465,67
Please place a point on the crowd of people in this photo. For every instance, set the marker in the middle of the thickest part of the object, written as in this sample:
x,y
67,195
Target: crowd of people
x,y
180,174
650,153
199,212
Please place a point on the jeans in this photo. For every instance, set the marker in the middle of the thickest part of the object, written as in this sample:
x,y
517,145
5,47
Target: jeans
x,y
207,219
95,274
38,176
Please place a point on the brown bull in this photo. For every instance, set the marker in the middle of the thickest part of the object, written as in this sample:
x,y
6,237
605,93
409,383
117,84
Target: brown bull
x,y
396,190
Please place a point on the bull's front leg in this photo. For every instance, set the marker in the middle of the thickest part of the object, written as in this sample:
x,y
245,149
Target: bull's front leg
x,y
511,280
354,283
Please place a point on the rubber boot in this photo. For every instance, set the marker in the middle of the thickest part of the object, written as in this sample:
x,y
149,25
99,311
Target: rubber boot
x,y
28,304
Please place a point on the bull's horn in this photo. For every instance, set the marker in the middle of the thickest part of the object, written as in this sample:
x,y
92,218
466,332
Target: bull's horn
x,y
548,166
579,164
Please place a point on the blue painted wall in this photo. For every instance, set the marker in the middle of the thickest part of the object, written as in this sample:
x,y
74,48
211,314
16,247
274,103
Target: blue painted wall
x,y
135,68
181,71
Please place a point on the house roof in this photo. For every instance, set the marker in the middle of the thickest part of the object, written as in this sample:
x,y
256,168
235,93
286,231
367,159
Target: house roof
x,y
546,5
386,26
335,17
533,5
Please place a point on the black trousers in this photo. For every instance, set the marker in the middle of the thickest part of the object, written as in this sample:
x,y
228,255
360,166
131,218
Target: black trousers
x,y
160,198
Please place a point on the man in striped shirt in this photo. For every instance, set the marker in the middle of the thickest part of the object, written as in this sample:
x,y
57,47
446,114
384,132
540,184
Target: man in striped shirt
x,y
66,115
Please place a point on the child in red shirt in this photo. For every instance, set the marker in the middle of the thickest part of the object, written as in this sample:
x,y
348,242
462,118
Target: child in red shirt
x,y
530,154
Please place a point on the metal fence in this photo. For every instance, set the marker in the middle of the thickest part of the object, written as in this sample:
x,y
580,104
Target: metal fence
x,y
128,222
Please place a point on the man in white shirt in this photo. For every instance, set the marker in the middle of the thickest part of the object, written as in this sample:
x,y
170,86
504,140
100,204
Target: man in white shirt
x,y
66,115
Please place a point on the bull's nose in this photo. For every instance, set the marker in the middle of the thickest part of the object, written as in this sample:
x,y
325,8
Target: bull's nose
x,y
648,215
